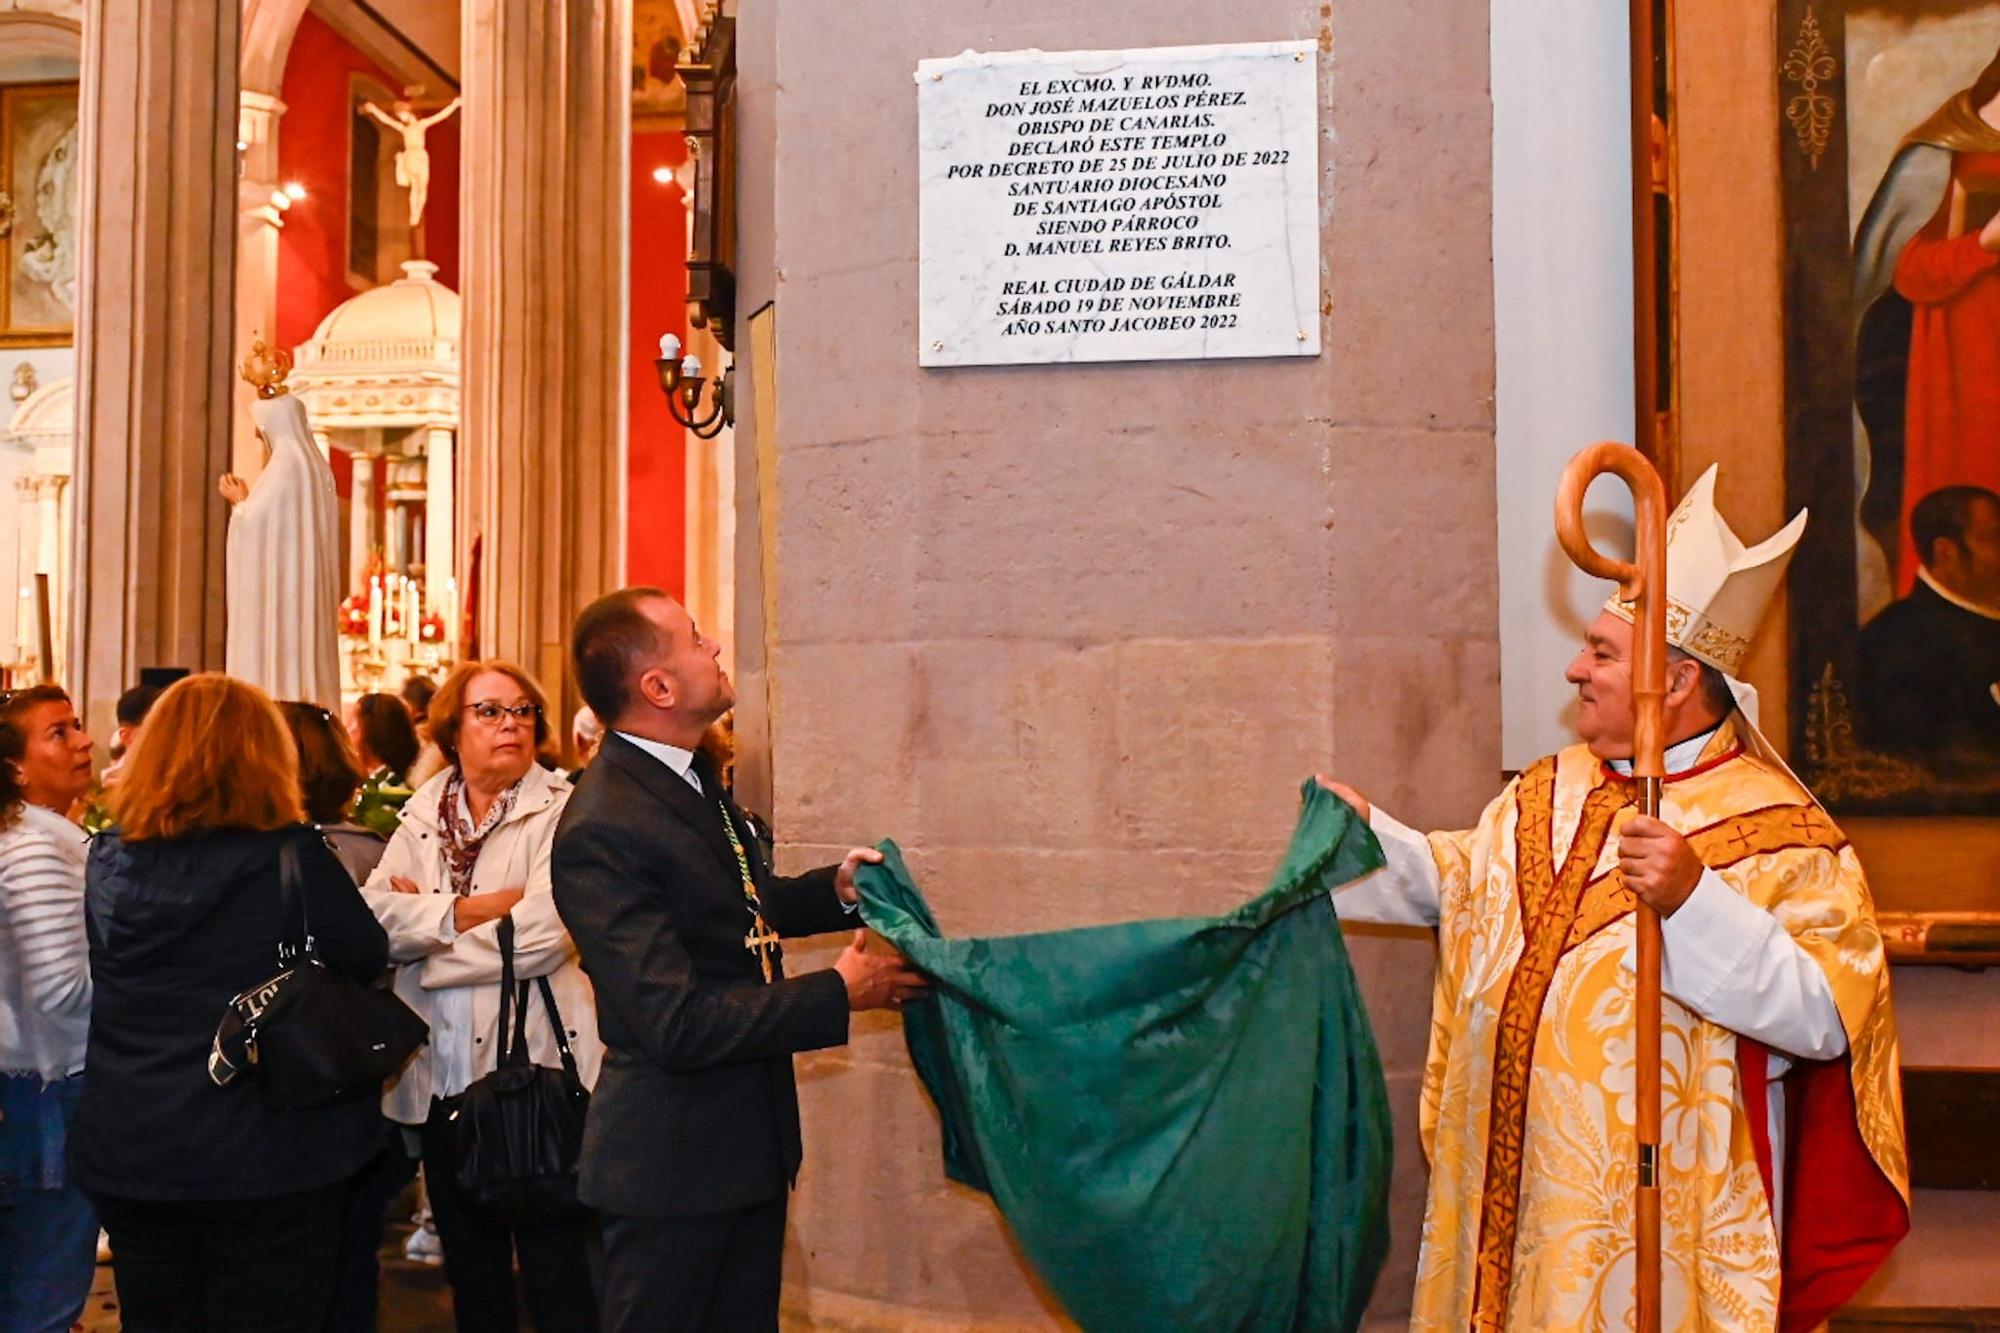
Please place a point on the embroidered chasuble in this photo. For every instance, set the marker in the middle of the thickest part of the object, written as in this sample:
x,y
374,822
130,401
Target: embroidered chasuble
x,y
1528,1105
1183,1121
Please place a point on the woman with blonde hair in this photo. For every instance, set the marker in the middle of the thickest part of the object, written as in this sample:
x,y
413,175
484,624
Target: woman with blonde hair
x,y
224,1209
474,847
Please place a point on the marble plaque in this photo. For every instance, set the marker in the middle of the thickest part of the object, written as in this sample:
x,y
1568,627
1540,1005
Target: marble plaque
x,y
1141,205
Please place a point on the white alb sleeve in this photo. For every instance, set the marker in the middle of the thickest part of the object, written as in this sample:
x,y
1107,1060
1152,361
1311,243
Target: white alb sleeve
x,y
1405,891
1729,961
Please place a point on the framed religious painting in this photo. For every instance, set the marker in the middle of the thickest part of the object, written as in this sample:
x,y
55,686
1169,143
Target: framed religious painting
x,y
1890,161
38,213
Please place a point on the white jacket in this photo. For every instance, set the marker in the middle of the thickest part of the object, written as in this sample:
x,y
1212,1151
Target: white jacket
x,y
438,962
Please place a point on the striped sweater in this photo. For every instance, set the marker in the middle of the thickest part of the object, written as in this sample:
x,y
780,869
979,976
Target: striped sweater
x,y
44,959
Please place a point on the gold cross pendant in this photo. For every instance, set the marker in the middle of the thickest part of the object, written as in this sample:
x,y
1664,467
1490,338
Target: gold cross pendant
x,y
763,942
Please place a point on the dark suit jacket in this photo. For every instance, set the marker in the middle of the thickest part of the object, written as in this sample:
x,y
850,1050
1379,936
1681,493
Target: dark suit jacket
x,y
696,1110
1924,689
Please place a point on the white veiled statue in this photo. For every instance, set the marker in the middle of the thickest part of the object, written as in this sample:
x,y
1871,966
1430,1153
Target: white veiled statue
x,y
284,552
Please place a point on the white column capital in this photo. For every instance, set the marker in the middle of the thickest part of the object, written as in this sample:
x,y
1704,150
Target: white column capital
x,y
257,116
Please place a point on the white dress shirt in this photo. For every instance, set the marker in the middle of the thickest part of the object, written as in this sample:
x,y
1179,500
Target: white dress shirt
x,y
673,756
682,762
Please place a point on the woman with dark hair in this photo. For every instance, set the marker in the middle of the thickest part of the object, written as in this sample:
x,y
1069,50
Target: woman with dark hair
x,y
385,746
329,776
384,736
48,1239
224,1209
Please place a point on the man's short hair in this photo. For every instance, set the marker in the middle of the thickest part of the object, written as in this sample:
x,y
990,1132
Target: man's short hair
x,y
135,703
1945,514
613,640
1713,686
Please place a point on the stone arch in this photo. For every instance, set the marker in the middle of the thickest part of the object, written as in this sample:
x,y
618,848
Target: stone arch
x,y
268,29
42,34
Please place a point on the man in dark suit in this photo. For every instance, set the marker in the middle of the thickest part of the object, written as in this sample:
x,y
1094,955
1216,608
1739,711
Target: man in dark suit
x,y
1928,687
692,1142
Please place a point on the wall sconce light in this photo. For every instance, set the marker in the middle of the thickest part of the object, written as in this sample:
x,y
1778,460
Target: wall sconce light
x,y
294,191
681,380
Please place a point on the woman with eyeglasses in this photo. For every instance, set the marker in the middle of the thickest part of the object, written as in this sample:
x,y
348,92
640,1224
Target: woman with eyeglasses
x,y
474,847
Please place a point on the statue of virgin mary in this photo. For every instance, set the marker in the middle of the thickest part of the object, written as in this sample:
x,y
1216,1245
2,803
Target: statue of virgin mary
x,y
284,554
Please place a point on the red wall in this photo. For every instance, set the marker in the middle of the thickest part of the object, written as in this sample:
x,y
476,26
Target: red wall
x,y
313,151
656,450
312,272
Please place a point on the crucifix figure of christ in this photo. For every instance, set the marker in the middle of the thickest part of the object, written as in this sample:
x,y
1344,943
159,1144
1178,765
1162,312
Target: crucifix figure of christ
x,y
413,161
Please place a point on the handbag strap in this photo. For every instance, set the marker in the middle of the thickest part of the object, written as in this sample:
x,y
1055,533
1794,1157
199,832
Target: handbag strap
x,y
292,904
556,1026
514,1007
513,1028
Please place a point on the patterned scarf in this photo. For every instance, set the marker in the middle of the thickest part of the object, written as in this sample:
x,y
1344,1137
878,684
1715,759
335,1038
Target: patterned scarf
x,y
461,840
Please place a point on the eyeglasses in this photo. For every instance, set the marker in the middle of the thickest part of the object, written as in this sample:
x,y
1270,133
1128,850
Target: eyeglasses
x,y
490,713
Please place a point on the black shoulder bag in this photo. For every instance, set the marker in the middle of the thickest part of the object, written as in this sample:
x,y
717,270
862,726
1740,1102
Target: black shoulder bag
x,y
312,1034
516,1134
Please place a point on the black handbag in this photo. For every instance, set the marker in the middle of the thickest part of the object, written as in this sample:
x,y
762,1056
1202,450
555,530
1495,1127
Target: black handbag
x,y
516,1134
311,1034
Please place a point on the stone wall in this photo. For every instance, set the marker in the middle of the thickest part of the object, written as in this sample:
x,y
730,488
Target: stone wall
x,y
1074,634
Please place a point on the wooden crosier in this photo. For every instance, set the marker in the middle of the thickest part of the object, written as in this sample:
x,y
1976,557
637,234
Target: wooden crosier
x,y
1643,583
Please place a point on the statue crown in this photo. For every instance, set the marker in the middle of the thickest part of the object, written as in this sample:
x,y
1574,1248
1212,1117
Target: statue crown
x,y
266,368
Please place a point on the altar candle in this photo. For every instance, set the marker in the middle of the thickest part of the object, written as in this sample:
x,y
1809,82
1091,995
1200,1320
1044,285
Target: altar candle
x,y
375,609
410,611
451,616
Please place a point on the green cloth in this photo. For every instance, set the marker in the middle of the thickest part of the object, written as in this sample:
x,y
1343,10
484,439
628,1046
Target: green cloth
x,y
1183,1121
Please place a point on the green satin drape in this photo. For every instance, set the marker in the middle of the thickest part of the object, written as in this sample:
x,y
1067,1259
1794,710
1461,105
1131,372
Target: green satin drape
x,y
1184,1121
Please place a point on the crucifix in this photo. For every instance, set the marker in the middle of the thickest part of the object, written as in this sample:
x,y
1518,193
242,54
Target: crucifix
x,y
763,942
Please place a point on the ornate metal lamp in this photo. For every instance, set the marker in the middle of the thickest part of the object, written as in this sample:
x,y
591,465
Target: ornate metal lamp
x,y
681,380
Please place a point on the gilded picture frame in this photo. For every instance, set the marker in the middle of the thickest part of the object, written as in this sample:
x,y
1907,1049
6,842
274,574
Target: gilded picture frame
x,y
39,199
1895,709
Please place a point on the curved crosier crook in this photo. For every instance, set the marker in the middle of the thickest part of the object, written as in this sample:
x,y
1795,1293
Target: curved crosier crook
x,y
1643,583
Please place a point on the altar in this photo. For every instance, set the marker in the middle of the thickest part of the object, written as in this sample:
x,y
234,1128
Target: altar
x,y
380,382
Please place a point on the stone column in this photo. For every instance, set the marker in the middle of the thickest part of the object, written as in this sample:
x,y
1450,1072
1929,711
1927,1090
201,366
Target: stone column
x,y
547,127
395,535
154,340
48,525
360,520
438,551
27,543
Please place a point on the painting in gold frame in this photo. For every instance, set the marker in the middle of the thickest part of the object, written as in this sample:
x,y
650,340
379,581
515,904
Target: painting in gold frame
x,y
1884,162
39,193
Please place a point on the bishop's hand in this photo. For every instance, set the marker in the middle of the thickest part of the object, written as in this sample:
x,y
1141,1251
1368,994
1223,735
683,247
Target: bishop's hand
x,y
1658,863
233,488
878,980
1347,794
